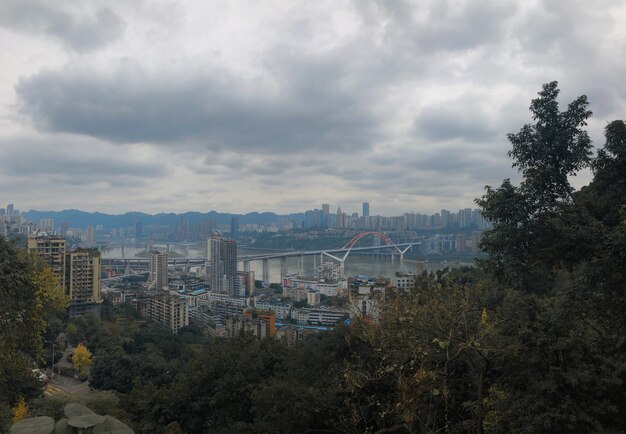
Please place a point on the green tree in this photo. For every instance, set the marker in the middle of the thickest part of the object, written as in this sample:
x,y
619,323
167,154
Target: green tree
x,y
424,365
521,245
27,289
565,251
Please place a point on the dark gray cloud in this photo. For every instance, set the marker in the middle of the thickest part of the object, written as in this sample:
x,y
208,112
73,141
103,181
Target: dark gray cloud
x,y
461,123
79,29
74,161
130,105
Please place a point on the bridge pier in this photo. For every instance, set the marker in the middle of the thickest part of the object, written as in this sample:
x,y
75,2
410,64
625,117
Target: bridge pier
x,y
266,270
283,268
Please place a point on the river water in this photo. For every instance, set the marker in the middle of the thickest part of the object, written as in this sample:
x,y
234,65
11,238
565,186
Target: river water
x,y
356,264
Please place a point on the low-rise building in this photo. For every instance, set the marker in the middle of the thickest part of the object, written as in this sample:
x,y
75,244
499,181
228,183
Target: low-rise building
x,y
282,309
301,316
404,280
170,310
326,317
261,324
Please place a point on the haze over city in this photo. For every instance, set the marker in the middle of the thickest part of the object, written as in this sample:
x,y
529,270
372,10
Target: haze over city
x,y
169,106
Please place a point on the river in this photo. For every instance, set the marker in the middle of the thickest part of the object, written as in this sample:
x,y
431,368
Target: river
x,y
371,265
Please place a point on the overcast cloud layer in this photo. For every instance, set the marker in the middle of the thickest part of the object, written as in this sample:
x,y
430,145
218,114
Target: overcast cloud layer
x,y
239,106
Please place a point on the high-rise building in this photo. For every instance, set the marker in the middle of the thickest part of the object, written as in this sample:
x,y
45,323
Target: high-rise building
x,y
64,228
326,208
52,250
221,267
138,230
445,218
47,225
476,237
82,285
464,217
234,228
246,283
340,218
157,277
460,243
366,209
10,210
90,236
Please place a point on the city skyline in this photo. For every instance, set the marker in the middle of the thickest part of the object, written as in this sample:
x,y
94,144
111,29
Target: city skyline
x,y
233,218
272,107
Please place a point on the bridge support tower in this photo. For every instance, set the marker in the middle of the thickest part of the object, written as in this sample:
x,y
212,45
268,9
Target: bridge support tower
x,y
283,268
266,270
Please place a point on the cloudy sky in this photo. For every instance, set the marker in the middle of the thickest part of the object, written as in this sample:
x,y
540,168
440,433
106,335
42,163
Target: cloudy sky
x,y
117,105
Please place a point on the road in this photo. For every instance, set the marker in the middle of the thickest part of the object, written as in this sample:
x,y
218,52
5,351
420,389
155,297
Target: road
x,y
63,384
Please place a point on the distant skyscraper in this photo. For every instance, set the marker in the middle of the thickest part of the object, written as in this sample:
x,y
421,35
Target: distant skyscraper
x,y
366,209
460,243
47,225
234,228
158,278
138,230
445,217
221,267
324,219
9,211
340,218
91,234
64,228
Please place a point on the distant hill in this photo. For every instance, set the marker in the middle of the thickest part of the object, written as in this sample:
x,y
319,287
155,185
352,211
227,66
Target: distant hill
x,y
78,218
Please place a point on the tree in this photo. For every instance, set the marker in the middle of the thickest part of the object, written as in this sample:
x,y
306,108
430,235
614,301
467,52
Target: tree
x,y
20,411
522,245
81,358
423,367
559,255
27,289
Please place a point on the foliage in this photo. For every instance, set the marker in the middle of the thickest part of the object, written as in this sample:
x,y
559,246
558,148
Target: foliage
x,y
20,411
81,358
561,253
423,365
26,295
521,245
